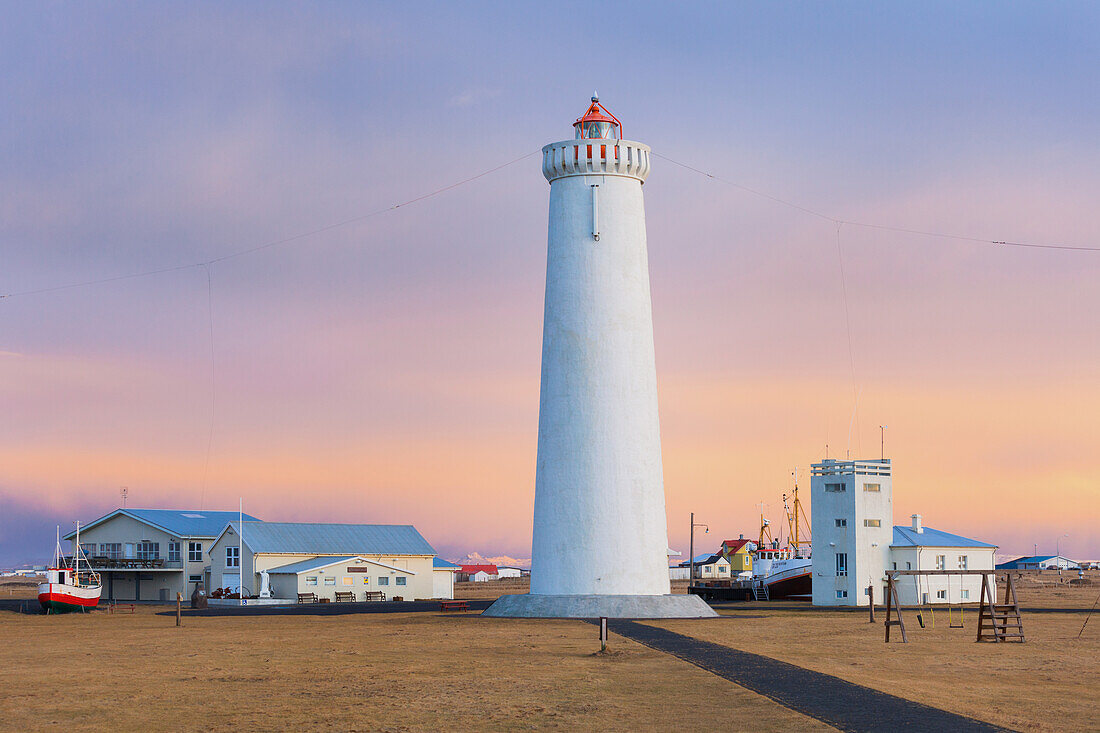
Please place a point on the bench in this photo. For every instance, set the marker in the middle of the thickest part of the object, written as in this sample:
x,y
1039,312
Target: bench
x,y
120,607
307,598
374,595
454,606
345,597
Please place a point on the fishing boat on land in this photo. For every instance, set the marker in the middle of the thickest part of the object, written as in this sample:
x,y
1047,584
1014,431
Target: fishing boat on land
x,y
786,572
69,588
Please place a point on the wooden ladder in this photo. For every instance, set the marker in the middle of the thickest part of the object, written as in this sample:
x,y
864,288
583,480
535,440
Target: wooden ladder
x,y
999,622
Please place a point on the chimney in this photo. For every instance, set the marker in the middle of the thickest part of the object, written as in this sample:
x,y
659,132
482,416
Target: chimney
x,y
741,536
917,525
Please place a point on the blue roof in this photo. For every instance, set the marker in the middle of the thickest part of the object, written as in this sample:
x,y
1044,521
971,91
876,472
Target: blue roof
x,y
334,539
179,522
908,537
1032,560
305,566
438,562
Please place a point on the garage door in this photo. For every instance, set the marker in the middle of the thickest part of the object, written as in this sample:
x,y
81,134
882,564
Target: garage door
x,y
232,581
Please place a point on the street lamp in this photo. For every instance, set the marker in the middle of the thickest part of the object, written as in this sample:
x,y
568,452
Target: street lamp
x,y
691,549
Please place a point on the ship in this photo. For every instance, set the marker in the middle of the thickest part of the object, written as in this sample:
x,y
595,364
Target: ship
x,y
69,588
785,570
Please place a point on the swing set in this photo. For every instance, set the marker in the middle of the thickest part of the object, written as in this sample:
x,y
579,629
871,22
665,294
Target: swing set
x,y
926,612
996,622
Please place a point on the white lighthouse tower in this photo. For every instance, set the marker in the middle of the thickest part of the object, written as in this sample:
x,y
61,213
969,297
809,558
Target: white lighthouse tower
x,y
600,540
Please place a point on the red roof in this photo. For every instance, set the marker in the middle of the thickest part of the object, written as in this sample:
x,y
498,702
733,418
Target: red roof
x,y
733,546
471,569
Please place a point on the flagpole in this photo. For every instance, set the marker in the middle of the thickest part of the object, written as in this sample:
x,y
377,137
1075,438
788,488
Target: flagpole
x,y
240,551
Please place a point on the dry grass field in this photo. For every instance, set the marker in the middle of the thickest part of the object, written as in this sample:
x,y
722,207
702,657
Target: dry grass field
x,y
392,672
430,671
1046,684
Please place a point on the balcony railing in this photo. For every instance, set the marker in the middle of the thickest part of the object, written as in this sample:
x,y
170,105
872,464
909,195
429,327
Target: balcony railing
x,y
99,562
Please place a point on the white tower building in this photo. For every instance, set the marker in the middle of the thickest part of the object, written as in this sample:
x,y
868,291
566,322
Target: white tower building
x,y
852,513
600,539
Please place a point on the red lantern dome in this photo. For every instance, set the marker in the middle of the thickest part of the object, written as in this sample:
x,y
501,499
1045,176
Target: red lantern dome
x,y
597,123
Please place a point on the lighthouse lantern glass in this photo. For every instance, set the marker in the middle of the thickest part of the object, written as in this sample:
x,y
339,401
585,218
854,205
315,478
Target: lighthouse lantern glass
x,y
597,124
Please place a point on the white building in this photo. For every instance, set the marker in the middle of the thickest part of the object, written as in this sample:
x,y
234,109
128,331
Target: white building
x,y
326,559
917,547
600,538
855,542
508,571
443,578
151,554
851,524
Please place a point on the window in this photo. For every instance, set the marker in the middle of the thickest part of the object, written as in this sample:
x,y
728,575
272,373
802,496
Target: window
x,y
194,578
311,580
174,550
841,522
841,563
942,594
233,557
872,487
842,594
147,550
872,522
965,595
895,566
834,487
963,561
383,581
88,548
194,551
908,566
330,581
941,562
399,580
112,550
347,581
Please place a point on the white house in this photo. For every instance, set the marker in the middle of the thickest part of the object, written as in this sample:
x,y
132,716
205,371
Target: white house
x,y
477,573
855,542
324,559
917,547
151,554
443,578
509,571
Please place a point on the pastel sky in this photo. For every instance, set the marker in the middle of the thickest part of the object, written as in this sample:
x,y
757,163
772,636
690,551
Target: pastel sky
x,y
387,370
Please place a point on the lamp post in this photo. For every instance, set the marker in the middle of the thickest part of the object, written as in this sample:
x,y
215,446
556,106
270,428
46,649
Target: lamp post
x,y
882,440
691,549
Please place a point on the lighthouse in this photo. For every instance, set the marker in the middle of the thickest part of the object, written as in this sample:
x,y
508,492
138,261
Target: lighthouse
x,y
600,540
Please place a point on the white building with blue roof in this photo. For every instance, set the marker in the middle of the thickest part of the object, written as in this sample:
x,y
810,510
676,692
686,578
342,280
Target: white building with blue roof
x,y
326,559
855,542
916,547
151,554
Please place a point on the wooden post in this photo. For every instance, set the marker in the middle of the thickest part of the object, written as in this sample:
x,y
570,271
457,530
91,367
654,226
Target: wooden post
x,y
179,601
603,633
871,601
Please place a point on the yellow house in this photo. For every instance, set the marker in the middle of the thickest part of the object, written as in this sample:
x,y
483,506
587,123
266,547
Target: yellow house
x,y
737,552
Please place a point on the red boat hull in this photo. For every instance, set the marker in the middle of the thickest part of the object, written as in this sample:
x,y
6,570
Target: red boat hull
x,y
57,600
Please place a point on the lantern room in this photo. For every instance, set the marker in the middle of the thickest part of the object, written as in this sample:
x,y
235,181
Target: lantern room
x,y
597,123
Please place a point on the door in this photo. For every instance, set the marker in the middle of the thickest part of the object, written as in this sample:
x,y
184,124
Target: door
x,y
129,551
231,581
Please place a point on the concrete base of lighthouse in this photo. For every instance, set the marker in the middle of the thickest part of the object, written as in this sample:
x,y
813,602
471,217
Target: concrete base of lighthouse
x,y
531,605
